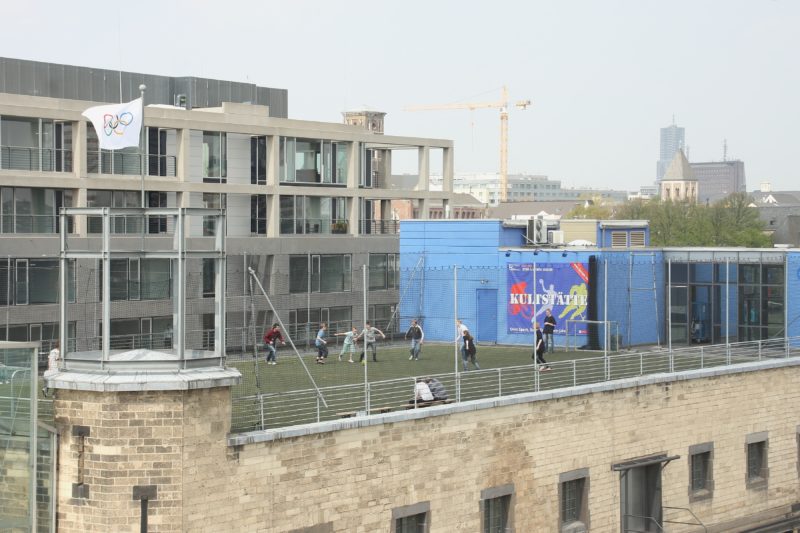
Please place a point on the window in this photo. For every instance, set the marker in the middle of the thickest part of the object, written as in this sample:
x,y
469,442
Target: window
x,y
313,214
258,214
27,210
574,497
757,470
303,323
258,160
496,514
329,273
215,164
212,200
35,144
313,161
124,224
156,224
383,271
138,279
411,518
209,278
159,162
701,484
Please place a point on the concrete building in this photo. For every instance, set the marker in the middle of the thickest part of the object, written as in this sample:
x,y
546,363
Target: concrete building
x,y
678,183
308,203
780,211
671,140
718,179
527,188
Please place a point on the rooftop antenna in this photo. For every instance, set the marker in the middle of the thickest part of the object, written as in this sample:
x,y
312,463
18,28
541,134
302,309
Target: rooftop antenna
x,y
724,149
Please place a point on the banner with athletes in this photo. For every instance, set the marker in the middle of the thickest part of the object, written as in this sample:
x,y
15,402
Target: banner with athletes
x,y
561,287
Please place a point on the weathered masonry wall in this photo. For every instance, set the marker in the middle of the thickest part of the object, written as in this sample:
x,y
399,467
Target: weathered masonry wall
x,y
134,439
350,480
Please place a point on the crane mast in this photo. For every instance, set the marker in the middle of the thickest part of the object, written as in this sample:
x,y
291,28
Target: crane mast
x,y
502,105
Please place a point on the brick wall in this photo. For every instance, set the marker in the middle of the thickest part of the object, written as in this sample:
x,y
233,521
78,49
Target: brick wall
x,y
135,439
351,480
354,478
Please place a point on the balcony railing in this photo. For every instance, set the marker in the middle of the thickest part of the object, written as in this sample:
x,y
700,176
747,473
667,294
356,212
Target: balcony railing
x,y
130,163
35,159
293,407
302,226
32,224
379,227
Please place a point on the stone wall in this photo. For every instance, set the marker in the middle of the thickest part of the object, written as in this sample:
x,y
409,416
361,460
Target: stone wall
x,y
354,478
134,439
353,475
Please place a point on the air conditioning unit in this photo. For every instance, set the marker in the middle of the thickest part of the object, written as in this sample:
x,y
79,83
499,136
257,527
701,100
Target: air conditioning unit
x,y
537,231
555,237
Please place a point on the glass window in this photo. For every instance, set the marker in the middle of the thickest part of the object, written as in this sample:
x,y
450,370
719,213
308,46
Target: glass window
x,y
308,161
287,161
679,273
748,273
298,273
378,275
258,214
209,279
214,157
496,514
701,272
700,471
212,200
258,160
773,274
411,524
156,279
757,462
571,500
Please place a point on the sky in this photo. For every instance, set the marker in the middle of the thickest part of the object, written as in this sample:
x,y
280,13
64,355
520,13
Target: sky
x,y
603,76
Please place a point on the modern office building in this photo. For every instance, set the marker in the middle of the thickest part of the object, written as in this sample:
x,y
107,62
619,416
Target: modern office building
x,y
718,179
672,139
308,203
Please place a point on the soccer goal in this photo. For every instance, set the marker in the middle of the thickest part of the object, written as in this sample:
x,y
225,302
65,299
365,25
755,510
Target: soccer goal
x,y
597,335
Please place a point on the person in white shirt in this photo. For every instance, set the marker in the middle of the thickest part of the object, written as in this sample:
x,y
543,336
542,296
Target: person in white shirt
x,y
53,357
460,329
422,393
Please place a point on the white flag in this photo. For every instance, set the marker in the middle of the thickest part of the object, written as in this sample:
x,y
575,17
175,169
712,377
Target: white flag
x,y
117,125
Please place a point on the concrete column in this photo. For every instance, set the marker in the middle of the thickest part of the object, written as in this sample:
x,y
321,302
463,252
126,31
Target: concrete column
x,y
273,215
447,170
184,155
354,165
423,205
353,209
79,200
273,160
79,149
423,183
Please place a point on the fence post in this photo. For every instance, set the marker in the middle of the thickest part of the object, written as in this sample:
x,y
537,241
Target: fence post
x,y
727,354
499,381
641,364
759,350
671,360
261,409
574,373
535,379
702,358
317,407
369,391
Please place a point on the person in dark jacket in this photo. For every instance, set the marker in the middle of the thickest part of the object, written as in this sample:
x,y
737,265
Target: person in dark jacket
x,y
416,335
538,348
549,329
470,350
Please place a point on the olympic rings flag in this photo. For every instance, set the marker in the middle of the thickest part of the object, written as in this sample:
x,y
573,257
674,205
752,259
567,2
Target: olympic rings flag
x,y
117,125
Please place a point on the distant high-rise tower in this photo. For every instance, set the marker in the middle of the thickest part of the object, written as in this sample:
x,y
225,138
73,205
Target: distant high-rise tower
x,y
672,140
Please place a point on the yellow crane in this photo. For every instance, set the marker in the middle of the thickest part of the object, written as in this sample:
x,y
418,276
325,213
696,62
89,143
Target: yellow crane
x,y
502,105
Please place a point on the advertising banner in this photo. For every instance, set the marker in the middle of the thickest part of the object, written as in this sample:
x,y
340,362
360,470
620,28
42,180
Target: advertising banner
x,y
561,287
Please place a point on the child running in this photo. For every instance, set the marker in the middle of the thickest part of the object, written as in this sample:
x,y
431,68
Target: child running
x,y
322,344
349,344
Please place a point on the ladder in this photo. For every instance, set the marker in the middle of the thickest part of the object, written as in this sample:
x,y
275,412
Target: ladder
x,y
650,288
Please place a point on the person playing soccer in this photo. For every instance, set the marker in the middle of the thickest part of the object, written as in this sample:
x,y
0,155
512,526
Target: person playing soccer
x,y
369,333
349,344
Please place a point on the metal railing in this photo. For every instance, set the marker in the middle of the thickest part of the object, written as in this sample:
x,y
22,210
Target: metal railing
x,y
35,159
309,226
696,522
379,227
273,410
129,163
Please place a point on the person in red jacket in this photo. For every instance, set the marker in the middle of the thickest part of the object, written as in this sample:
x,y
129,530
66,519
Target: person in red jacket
x,y
271,338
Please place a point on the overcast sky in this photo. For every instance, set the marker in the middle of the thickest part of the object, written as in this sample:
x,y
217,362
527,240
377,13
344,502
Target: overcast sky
x,y
603,76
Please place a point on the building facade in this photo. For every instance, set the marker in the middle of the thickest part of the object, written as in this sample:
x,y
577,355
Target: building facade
x,y
679,183
718,179
308,203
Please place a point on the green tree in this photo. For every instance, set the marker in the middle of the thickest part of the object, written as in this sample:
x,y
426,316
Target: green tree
x,y
590,211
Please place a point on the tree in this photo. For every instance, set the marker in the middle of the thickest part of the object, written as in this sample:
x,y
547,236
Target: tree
x,y
590,211
729,222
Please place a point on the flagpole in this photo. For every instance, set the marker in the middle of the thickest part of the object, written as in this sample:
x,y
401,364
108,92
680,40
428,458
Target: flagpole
x,y
142,89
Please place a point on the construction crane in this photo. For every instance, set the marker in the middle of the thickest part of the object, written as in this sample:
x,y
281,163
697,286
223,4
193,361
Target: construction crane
x,y
502,105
